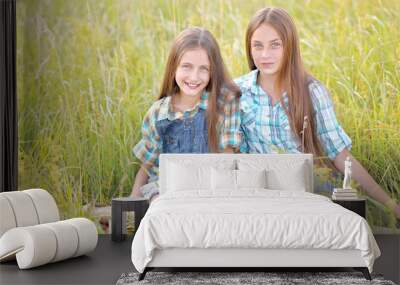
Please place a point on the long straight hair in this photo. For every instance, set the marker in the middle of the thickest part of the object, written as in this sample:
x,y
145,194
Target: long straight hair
x,y
292,75
220,83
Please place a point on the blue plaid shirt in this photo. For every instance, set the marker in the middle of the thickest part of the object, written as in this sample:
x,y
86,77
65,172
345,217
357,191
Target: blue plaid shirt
x,y
150,146
265,126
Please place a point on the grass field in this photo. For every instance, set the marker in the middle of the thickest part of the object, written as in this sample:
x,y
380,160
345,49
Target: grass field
x,y
88,71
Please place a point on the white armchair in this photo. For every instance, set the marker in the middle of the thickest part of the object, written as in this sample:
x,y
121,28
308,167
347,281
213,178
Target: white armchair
x,y
31,232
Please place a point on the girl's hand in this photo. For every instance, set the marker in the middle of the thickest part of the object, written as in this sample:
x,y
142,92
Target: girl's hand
x,y
153,198
140,180
397,211
393,206
135,193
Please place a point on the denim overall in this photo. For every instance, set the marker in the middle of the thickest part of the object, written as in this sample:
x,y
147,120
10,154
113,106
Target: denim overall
x,y
187,135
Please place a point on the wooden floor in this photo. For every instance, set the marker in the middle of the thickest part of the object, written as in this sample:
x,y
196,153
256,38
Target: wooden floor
x,y
111,259
102,266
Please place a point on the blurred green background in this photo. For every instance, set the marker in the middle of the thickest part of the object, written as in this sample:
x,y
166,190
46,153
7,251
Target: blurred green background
x,y
89,69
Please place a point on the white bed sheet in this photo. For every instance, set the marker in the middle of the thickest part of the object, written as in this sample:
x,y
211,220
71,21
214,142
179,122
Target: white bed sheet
x,y
250,218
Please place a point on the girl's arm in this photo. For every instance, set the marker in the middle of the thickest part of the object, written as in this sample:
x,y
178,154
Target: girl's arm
x,y
366,181
230,136
148,148
140,180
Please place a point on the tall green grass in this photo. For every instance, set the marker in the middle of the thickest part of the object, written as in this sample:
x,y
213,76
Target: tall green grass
x,y
88,71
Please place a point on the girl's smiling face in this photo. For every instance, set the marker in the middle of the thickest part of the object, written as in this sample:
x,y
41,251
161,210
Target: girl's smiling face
x,y
193,72
267,50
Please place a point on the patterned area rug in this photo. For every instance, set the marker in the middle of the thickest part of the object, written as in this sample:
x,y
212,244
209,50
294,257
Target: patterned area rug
x,y
230,278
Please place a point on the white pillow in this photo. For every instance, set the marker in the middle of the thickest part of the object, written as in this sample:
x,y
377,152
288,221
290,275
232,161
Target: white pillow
x,y
291,178
251,178
183,177
223,179
281,174
226,179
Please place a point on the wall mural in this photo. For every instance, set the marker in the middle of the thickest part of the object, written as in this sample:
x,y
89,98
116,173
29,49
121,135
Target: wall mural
x,y
89,70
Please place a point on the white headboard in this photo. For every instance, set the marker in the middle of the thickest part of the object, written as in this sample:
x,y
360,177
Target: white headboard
x,y
267,160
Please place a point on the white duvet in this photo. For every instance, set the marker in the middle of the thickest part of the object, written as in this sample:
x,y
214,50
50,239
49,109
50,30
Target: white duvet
x,y
252,218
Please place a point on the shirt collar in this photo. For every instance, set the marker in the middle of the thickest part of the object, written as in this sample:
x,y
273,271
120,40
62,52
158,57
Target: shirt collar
x,y
256,89
166,111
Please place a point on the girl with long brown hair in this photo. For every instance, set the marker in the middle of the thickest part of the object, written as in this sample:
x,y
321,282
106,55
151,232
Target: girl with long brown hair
x,y
283,108
197,110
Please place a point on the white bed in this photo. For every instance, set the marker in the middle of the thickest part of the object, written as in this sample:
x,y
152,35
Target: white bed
x,y
214,211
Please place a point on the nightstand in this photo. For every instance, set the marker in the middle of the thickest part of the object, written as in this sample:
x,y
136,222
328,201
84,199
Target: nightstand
x,y
123,204
358,205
